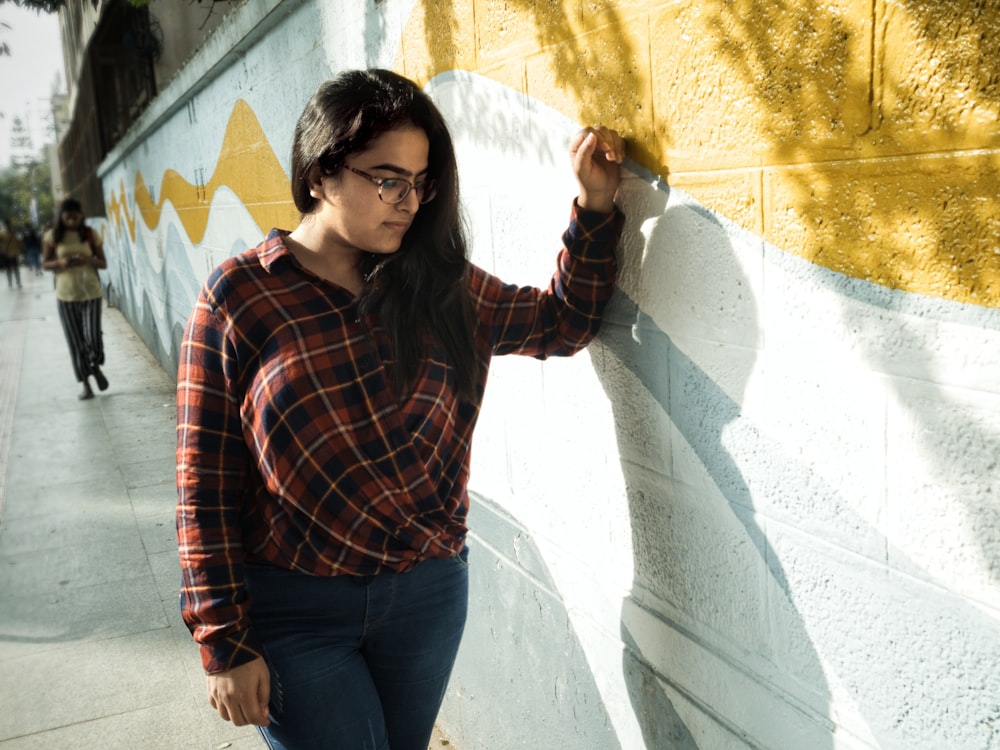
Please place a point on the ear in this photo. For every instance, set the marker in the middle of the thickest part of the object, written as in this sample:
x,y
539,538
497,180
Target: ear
x,y
315,180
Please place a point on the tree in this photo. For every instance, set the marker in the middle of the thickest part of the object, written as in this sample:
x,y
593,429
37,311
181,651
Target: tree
x,y
54,6
20,143
22,185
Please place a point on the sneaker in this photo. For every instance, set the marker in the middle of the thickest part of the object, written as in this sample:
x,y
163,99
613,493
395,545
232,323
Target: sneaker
x,y
102,382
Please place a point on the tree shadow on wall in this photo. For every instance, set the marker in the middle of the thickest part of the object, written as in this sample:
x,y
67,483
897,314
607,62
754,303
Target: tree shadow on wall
x,y
601,72
524,617
813,104
786,84
931,90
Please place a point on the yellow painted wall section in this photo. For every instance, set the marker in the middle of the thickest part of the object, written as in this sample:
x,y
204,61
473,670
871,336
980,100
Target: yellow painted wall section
x,y
862,135
247,165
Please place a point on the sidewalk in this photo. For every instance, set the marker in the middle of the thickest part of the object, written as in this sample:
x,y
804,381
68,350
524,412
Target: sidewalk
x,y
93,652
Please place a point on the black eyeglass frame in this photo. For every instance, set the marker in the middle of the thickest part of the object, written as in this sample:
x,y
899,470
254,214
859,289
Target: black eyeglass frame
x,y
427,187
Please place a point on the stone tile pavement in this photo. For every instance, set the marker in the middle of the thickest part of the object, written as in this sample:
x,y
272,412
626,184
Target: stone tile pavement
x,y
93,653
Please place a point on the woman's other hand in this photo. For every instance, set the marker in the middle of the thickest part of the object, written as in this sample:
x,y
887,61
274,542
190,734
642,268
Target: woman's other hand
x,y
241,694
596,153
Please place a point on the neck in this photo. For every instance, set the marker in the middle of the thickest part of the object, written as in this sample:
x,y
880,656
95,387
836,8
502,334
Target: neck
x,y
325,259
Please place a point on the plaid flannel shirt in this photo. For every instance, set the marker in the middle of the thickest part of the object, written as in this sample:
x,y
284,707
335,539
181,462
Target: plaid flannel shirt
x,y
291,449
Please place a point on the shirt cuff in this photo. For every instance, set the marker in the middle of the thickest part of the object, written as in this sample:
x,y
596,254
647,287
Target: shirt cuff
x,y
593,235
229,653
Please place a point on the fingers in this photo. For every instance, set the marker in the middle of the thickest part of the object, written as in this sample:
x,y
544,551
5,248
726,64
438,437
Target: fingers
x,y
609,143
596,153
241,694
263,699
599,139
582,150
593,143
241,713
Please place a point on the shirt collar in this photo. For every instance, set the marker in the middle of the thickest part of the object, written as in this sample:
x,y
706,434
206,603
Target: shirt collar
x,y
273,248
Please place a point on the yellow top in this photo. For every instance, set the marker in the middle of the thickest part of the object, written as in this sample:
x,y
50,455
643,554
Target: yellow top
x,y
10,244
76,283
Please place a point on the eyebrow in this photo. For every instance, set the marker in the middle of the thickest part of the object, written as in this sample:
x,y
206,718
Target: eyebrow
x,y
399,170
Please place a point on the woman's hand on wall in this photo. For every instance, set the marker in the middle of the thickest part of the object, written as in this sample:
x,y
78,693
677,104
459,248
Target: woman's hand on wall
x,y
596,153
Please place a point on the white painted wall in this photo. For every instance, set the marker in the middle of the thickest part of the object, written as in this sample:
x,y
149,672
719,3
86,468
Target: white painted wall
x,y
760,511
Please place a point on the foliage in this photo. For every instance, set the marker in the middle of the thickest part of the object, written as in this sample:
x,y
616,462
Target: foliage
x,y
54,6
48,6
18,185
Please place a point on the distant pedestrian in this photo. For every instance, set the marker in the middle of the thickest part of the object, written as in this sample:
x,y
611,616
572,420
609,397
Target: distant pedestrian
x,y
73,251
32,249
10,248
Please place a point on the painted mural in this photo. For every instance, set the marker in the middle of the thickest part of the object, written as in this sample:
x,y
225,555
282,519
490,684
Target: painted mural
x,y
848,132
761,510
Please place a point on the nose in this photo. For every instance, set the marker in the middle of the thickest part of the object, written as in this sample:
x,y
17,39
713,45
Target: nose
x,y
411,203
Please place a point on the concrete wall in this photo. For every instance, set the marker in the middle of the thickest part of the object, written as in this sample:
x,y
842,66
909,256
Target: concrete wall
x,y
761,511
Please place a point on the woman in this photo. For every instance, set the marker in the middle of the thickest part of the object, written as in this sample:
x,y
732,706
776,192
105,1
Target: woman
x,y
32,249
329,382
10,253
73,251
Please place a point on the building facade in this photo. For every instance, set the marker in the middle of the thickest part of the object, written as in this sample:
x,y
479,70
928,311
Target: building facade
x,y
118,56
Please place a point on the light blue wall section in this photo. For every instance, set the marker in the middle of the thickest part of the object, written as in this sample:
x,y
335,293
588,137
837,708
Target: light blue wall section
x,y
255,56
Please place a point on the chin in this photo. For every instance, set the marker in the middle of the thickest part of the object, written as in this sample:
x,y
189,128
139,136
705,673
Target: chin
x,y
384,250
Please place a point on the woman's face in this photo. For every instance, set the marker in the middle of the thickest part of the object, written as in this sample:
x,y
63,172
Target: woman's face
x,y
352,217
71,219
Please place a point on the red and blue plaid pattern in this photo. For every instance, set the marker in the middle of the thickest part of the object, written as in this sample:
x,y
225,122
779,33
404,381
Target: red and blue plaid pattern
x,y
291,449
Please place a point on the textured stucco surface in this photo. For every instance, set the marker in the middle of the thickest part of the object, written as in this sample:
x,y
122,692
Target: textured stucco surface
x,y
761,510
817,101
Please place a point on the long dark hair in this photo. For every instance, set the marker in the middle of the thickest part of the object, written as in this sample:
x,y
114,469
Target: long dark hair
x,y
70,204
420,292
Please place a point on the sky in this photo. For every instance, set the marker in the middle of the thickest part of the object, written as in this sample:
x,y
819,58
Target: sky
x,y
28,73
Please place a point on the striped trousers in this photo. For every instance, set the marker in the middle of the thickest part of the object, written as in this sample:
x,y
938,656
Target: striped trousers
x,y
81,322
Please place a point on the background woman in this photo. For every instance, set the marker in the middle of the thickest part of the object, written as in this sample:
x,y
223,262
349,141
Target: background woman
x,y
74,252
32,249
329,383
10,253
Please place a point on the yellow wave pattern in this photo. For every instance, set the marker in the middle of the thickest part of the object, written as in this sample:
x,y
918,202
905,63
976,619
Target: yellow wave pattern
x,y
247,165
865,144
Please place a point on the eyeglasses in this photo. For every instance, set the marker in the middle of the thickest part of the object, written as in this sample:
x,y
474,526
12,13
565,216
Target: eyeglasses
x,y
395,189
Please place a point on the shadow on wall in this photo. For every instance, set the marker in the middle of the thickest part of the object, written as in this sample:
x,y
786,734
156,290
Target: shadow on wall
x,y
809,102
822,83
521,644
931,86
520,650
598,74
704,482
934,89
698,549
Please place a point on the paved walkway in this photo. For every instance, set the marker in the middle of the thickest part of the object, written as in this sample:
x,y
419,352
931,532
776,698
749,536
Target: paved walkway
x,y
93,653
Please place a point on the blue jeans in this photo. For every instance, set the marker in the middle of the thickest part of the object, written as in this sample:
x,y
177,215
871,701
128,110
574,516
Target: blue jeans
x,y
358,663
